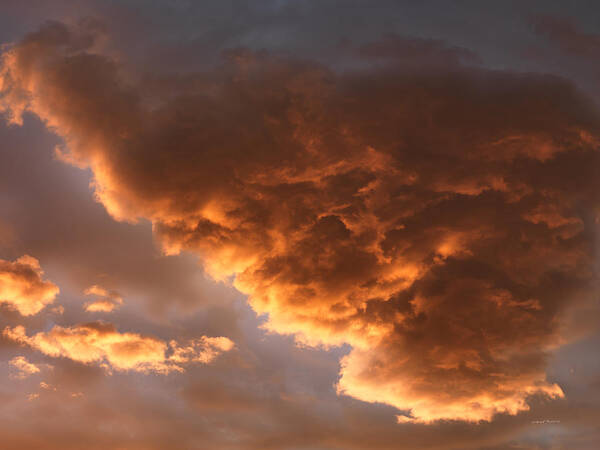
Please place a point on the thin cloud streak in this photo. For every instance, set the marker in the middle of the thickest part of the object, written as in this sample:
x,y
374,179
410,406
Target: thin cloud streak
x,y
101,343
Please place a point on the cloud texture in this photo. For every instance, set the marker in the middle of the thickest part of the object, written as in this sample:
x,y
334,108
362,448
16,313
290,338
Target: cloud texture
x,y
105,301
23,367
102,343
438,218
22,286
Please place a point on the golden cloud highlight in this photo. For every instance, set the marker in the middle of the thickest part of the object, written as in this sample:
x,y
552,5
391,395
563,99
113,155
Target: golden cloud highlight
x,y
435,219
24,368
106,301
22,286
101,343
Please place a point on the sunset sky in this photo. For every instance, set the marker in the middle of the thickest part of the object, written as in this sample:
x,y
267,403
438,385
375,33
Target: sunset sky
x,y
299,224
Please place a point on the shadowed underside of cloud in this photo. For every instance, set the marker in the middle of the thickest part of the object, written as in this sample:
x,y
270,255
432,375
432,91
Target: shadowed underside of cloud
x,y
102,343
438,221
22,286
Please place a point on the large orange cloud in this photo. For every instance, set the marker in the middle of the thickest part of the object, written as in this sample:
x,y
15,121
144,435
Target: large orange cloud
x,y
102,343
22,286
437,218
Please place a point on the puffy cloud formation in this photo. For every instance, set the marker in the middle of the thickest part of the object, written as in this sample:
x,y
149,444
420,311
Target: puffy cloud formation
x,y
22,286
102,343
24,368
416,52
202,350
567,35
46,386
436,218
106,301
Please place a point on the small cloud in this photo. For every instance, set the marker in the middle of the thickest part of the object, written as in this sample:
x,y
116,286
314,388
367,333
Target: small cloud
x,y
22,286
32,397
47,387
203,350
24,367
100,306
60,310
106,301
101,343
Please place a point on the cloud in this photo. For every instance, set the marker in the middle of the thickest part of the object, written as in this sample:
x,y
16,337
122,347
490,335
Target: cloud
x,y
439,222
22,286
566,35
100,306
203,350
100,343
106,301
564,44
415,52
24,367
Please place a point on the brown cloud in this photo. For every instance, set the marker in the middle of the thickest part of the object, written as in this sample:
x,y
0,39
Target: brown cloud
x,y
438,222
102,343
106,301
416,52
22,286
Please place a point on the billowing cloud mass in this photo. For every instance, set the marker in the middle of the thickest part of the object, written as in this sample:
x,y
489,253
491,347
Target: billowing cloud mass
x,y
22,286
24,368
438,218
565,33
106,301
101,343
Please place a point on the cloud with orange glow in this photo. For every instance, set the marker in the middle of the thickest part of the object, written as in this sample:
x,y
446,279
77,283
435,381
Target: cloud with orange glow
x,y
433,219
23,367
105,301
22,286
101,343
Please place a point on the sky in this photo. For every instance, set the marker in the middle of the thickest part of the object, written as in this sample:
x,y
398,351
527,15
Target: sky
x,y
294,224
